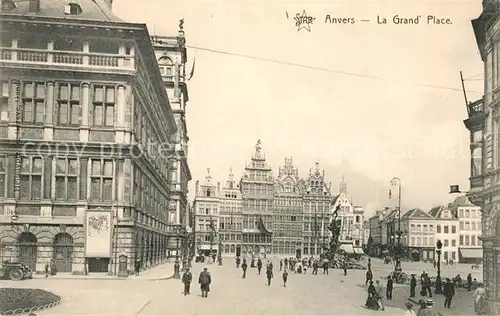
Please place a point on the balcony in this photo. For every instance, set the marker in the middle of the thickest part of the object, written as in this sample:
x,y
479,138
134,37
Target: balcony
x,y
99,61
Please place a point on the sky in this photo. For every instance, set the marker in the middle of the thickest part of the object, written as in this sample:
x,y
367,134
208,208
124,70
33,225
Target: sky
x,y
367,105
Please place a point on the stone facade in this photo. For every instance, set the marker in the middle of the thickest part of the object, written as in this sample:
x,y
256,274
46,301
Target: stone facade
x,y
89,127
484,125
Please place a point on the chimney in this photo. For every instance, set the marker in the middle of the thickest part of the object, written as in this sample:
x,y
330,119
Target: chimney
x,y
34,6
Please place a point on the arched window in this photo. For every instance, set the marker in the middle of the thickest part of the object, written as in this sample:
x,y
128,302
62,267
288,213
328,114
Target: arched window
x,y
166,67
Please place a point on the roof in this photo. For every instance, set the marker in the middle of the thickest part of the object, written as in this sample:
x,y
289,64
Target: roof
x,y
95,10
462,201
335,198
437,211
416,214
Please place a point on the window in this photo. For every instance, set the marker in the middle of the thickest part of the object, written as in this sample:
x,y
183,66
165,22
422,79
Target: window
x,y
453,242
3,175
68,104
4,101
446,243
454,229
473,225
467,240
461,225
104,106
66,179
446,230
467,226
73,9
472,240
31,178
461,213
33,102
473,213
438,227
293,218
101,179
467,213
461,243
477,136
453,256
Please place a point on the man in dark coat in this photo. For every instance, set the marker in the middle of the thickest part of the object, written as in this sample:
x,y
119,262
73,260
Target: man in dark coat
x,y
345,267
259,265
315,267
269,274
388,289
238,261
205,280
449,292
413,285
325,267
428,285
244,267
469,282
187,278
369,276
286,263
285,278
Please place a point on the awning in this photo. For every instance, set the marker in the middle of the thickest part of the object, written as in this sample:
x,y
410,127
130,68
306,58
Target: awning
x,y
347,248
472,253
207,247
359,251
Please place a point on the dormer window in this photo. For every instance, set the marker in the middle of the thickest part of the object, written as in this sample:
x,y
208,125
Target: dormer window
x,y
8,5
73,9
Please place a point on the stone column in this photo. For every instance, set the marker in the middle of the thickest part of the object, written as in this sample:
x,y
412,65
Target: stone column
x,y
120,115
48,130
84,123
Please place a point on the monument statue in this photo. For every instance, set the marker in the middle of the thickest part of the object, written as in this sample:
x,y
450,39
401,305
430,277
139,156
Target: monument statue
x,y
334,228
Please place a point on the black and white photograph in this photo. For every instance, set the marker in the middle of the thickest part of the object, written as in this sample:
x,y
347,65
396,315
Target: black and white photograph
x,y
259,157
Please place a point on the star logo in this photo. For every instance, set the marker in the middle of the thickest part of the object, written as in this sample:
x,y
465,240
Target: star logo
x,y
303,21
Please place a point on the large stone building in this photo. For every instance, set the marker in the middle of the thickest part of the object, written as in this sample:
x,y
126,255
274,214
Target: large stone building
x,y
257,189
171,54
287,222
419,235
484,128
446,224
82,102
206,207
230,220
316,212
469,227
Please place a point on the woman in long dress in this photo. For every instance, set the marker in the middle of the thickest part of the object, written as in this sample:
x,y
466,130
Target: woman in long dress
x,y
479,304
372,300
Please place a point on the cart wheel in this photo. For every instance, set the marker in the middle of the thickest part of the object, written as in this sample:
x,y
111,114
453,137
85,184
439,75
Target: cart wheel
x,y
16,274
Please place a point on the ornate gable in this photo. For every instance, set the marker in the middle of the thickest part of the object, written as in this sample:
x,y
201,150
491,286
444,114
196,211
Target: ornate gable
x,y
315,183
288,180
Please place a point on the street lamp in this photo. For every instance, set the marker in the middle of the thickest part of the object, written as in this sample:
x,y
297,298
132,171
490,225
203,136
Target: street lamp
x,y
397,182
438,290
176,264
219,255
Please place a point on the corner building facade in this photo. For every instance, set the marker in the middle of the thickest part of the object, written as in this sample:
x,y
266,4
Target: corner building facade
x,y
230,219
257,190
90,188
484,124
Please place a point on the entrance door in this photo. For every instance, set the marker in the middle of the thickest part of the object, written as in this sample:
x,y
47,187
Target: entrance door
x,y
238,250
63,252
27,244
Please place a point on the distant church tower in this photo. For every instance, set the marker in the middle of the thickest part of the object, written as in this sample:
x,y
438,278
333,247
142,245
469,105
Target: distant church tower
x,y
343,186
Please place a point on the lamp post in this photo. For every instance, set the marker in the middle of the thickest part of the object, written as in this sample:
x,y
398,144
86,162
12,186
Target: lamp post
x,y
438,290
219,255
397,182
177,274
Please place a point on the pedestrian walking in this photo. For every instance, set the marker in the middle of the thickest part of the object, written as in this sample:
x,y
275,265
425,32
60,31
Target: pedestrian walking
x,y
449,292
378,290
244,267
270,265
428,285
285,277
413,285
281,264
345,268
372,299
205,280
187,278
479,303
269,274
47,269
315,268
137,266
369,263
238,261
325,267
388,289
309,262
286,263
259,265
423,290
369,276
469,282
